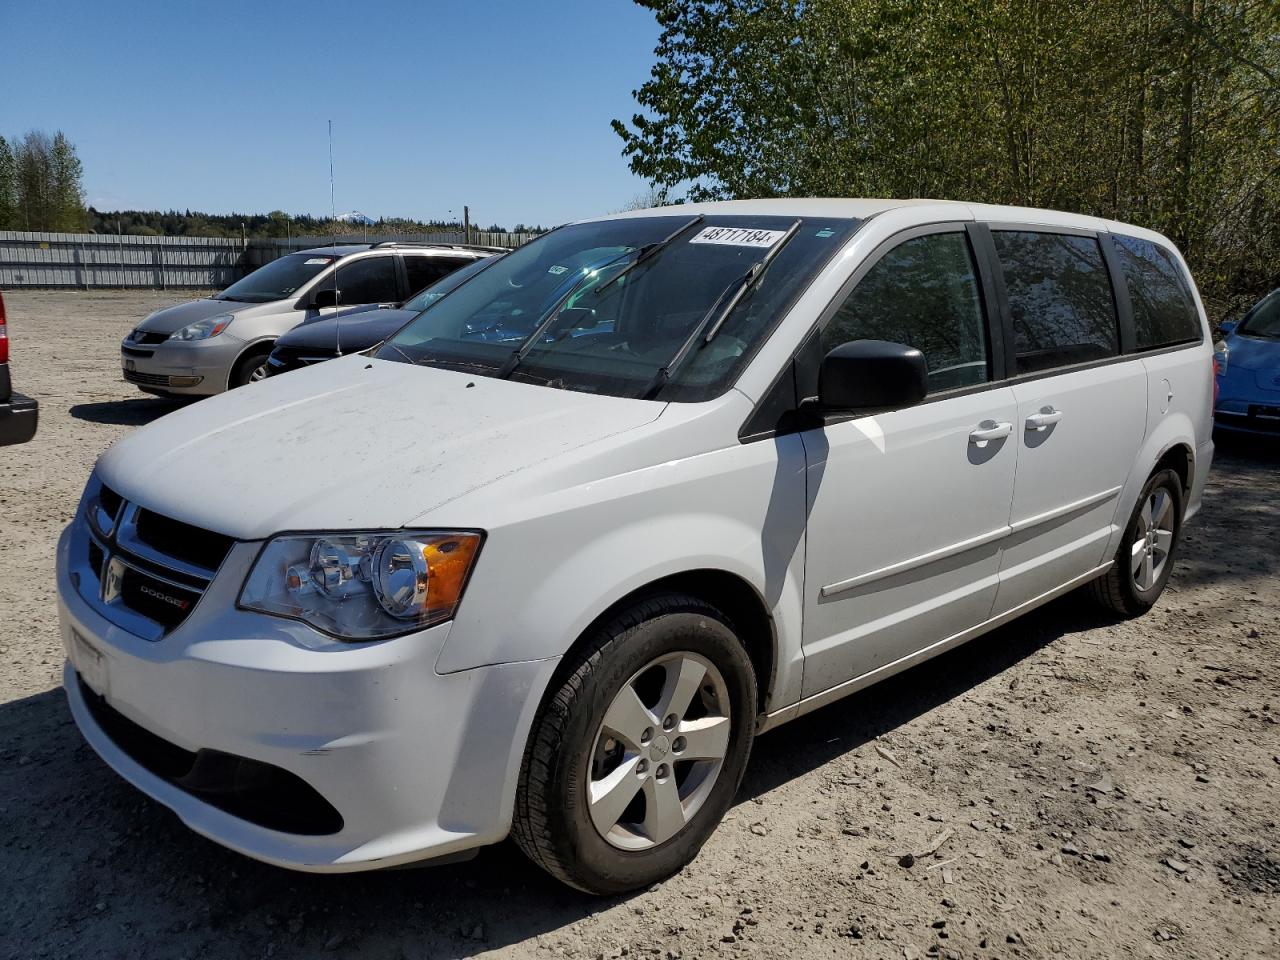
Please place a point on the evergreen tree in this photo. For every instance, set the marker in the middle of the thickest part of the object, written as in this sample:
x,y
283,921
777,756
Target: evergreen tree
x,y
66,190
8,188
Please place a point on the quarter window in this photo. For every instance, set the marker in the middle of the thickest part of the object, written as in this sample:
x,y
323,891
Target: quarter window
x,y
1059,297
424,271
1164,312
367,280
924,293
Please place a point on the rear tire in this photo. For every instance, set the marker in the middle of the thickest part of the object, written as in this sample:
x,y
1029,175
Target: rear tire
x,y
1146,554
606,808
250,368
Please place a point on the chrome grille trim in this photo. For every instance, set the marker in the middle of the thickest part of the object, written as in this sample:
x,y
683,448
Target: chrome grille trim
x,y
128,542
120,547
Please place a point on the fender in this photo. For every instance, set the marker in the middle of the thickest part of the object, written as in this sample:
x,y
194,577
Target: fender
x,y
601,541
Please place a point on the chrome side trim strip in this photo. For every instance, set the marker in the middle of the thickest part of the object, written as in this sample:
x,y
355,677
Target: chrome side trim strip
x,y
840,690
1050,515
982,539
911,563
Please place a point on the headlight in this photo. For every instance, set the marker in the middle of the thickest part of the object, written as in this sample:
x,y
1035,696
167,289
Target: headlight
x,y
363,586
204,329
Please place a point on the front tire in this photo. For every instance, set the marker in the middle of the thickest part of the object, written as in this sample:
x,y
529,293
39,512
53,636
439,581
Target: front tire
x,y
639,748
251,368
1145,558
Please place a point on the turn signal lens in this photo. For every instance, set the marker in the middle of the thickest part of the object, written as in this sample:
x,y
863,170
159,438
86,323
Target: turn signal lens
x,y
449,562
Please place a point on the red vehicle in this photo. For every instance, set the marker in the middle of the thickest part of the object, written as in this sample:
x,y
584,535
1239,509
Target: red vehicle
x,y
18,414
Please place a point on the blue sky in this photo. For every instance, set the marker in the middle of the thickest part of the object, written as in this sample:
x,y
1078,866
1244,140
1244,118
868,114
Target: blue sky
x,y
222,106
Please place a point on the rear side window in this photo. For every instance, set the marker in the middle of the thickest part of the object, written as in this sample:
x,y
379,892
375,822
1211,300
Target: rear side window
x,y
368,280
424,271
1164,312
924,293
1059,297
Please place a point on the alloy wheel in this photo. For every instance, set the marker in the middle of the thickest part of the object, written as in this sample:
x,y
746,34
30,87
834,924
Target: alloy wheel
x,y
659,751
1153,540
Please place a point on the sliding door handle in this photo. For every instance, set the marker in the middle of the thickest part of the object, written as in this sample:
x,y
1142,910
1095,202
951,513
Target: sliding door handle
x,y
1043,420
990,430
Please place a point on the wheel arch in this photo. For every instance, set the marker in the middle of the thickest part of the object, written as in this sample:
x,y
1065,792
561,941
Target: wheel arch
x,y
253,346
1180,458
727,592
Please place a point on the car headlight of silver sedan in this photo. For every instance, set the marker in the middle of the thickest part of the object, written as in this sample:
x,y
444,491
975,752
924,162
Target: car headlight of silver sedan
x,y
203,329
363,586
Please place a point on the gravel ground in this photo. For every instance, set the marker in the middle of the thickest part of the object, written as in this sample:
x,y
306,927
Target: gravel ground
x,y
1093,789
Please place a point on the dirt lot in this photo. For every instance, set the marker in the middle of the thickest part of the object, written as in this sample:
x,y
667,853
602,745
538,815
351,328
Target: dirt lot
x,y
1103,790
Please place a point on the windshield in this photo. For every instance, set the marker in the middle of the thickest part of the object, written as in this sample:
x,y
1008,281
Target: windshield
x,y
535,315
1264,319
434,291
278,279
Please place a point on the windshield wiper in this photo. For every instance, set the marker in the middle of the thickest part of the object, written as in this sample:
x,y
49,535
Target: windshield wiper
x,y
648,252
540,330
716,315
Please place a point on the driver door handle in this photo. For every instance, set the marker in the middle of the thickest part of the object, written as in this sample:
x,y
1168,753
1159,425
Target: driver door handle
x,y
1044,419
990,430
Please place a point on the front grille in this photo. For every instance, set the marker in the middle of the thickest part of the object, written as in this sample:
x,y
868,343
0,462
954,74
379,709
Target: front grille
x,y
110,500
164,602
146,379
137,352
144,336
144,571
254,791
193,545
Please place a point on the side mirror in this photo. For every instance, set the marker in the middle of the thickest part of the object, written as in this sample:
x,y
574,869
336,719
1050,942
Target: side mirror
x,y
872,375
326,297
1227,327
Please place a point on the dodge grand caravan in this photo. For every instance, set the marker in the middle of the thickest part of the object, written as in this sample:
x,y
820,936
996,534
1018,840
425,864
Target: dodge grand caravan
x,y
741,460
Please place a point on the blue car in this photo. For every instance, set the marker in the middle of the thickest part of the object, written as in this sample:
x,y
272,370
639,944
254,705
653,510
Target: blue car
x,y
1248,364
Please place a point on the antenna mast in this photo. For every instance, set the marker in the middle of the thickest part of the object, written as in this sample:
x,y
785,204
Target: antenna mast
x,y
333,216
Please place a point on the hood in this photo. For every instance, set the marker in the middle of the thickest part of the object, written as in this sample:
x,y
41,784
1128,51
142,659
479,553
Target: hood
x,y
172,319
360,329
1253,353
352,443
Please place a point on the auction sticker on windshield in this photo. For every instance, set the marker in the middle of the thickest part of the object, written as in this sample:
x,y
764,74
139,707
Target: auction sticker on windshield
x,y
739,236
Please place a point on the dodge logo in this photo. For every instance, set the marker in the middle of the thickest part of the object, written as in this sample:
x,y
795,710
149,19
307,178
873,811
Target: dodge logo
x,y
174,601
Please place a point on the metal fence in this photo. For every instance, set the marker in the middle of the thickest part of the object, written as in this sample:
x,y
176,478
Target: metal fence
x,y
91,260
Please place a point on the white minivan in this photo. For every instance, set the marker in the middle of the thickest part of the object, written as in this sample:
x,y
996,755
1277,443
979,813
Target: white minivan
x,y
547,560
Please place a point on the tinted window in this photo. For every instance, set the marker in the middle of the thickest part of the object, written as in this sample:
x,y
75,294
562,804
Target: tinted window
x,y
424,271
1164,311
429,295
370,280
923,292
1060,299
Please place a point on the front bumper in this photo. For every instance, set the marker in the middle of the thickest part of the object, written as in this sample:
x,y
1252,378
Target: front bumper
x,y
198,368
18,418
418,765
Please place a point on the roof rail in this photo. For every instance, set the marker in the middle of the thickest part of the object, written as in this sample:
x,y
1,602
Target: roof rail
x,y
438,246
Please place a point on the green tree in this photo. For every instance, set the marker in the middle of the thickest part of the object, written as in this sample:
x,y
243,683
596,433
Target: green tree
x,y
66,174
8,188
1160,112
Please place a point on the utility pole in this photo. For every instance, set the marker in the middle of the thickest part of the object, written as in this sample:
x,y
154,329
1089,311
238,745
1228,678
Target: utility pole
x,y
466,224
